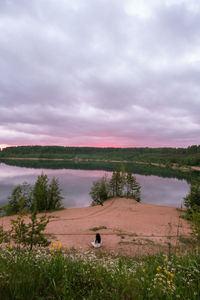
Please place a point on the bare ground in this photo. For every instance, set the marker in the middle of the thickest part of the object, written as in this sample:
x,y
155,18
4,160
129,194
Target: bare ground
x,y
131,228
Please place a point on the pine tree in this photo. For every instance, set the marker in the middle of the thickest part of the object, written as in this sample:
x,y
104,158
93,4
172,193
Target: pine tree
x,y
31,234
40,192
116,186
132,187
20,199
34,235
100,191
54,197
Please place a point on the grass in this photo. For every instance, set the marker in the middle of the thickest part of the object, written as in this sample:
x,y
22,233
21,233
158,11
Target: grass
x,y
98,228
62,274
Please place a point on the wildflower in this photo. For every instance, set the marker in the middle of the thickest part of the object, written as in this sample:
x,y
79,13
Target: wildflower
x,y
52,249
10,246
164,281
172,275
168,282
159,268
54,245
163,276
64,247
143,270
59,245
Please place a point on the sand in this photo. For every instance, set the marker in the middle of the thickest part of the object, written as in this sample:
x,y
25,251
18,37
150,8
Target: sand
x,y
131,228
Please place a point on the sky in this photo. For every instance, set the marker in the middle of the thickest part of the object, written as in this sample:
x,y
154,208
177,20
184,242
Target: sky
x,y
107,73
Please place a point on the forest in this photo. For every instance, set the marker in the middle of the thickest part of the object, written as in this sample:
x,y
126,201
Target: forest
x,y
181,156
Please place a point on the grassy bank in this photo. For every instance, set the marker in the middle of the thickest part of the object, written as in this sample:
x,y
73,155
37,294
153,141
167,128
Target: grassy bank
x,y
62,274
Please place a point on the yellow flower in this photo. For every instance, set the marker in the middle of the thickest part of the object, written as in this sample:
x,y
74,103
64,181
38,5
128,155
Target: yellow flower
x,y
157,275
54,245
64,247
52,249
168,281
10,246
163,281
143,270
49,254
172,275
159,268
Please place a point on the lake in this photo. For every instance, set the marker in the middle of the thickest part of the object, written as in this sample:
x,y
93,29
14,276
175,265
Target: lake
x,y
76,185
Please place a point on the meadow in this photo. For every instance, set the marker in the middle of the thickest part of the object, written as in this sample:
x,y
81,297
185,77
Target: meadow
x,y
61,273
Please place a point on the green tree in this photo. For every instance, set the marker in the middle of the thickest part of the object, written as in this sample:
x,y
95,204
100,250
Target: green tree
x,y
193,198
20,199
132,187
100,191
34,233
40,192
54,195
137,194
31,234
18,231
116,184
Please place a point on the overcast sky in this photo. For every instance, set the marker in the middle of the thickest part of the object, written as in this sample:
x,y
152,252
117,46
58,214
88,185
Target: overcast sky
x,y
100,72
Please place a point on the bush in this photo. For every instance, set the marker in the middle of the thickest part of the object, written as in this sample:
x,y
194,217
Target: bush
x,y
193,198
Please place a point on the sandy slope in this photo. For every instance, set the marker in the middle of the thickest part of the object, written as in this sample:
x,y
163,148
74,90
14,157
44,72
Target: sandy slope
x,y
132,227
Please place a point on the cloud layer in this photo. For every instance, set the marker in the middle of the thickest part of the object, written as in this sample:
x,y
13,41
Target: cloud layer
x,y
100,73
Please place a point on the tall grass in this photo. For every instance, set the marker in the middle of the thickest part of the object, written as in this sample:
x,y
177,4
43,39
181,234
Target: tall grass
x,y
61,274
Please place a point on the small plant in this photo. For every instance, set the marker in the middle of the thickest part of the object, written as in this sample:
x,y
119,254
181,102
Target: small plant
x,y
98,228
57,247
31,234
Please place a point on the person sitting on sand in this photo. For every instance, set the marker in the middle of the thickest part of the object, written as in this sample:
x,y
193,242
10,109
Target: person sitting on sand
x,y
97,242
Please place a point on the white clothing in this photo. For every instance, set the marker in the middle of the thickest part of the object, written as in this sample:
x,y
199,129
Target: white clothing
x,y
96,245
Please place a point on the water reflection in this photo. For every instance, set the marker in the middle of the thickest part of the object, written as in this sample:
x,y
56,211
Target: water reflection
x,y
76,185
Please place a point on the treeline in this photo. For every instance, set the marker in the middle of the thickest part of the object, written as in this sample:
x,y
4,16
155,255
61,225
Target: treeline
x,y
180,156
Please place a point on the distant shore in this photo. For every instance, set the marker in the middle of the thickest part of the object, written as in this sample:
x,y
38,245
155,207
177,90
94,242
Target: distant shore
x,y
183,168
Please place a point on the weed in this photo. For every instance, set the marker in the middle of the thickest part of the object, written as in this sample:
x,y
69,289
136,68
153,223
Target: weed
x,y
98,228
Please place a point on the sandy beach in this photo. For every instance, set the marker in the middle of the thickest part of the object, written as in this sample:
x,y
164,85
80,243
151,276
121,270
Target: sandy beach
x,y
130,228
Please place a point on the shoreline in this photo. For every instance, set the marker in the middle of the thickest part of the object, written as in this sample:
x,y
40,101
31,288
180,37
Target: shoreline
x,y
173,167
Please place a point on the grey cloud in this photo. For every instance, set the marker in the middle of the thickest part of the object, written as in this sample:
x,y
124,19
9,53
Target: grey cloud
x,y
88,72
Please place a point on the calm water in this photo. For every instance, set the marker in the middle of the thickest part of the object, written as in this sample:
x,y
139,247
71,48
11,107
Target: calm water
x,y
76,185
